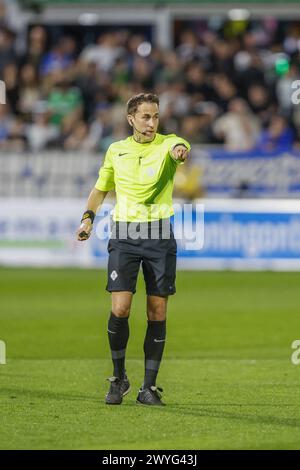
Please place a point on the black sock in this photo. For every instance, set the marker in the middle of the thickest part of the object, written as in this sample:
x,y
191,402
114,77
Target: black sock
x,y
118,334
153,348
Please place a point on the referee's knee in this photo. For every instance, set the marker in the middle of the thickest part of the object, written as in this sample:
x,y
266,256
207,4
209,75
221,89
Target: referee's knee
x,y
156,313
121,311
157,308
121,304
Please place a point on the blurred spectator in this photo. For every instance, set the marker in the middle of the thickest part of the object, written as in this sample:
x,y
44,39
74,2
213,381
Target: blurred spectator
x,y
97,130
121,72
29,90
196,83
64,101
196,126
87,80
278,135
60,57
7,52
260,102
252,73
132,45
200,80
191,127
105,122
40,134
10,77
16,139
224,91
171,69
142,72
104,53
36,48
174,101
222,57
238,127
3,21
189,48
77,136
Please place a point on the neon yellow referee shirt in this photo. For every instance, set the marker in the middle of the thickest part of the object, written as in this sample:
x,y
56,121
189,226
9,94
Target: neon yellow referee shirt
x,y
142,176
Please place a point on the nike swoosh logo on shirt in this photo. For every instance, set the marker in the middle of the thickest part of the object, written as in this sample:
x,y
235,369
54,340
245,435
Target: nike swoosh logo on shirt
x,y
121,154
159,340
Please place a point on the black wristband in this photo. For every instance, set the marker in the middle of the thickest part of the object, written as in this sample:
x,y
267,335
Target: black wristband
x,y
88,215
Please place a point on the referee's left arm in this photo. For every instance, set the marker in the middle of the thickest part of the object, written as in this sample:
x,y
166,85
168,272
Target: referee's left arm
x,y
104,184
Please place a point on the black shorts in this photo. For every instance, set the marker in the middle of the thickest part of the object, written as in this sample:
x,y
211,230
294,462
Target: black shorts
x,y
156,253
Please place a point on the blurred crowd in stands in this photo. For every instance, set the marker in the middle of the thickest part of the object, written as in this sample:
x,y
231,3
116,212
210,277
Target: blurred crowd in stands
x,y
215,87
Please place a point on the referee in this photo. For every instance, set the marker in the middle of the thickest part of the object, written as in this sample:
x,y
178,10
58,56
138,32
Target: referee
x,y
141,170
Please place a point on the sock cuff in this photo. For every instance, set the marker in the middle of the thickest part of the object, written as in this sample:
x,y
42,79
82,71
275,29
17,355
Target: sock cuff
x,y
116,319
156,322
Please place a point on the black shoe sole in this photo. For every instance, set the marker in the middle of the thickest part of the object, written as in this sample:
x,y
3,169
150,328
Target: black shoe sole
x,y
149,404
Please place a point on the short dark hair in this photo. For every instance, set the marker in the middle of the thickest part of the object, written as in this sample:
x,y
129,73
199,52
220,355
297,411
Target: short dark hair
x,y
136,100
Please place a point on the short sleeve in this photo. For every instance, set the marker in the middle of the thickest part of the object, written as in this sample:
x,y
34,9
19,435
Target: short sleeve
x,y
105,180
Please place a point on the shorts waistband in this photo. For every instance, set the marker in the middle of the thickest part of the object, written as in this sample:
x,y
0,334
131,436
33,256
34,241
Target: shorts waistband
x,y
161,228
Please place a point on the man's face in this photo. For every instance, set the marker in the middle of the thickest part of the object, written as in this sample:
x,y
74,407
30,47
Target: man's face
x,y
145,121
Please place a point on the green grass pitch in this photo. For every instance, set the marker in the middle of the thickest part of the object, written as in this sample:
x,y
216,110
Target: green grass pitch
x,y
227,374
